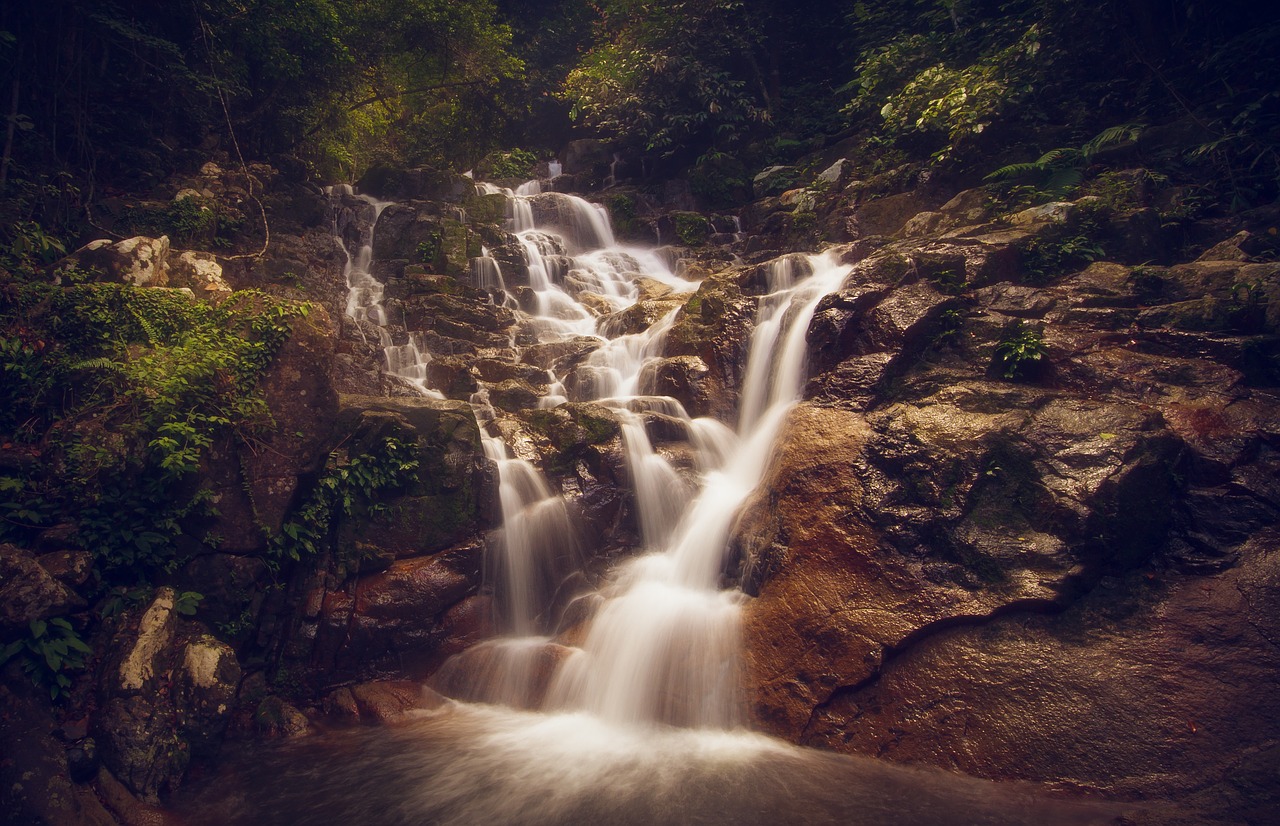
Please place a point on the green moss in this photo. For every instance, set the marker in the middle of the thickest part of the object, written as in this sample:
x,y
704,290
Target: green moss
x,y
571,429
622,215
691,228
132,387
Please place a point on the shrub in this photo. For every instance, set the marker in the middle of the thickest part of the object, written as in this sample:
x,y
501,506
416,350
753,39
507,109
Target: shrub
x,y
1019,351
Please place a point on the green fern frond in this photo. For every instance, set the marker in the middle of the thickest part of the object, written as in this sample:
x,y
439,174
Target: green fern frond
x,y
153,338
1111,137
1015,170
99,364
1063,181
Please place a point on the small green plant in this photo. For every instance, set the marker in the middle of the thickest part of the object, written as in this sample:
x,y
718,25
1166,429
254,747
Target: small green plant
x,y
430,251
348,487
950,325
1043,258
187,603
48,653
1020,348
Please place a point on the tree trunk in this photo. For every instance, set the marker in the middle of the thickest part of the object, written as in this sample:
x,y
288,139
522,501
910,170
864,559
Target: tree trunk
x,y
8,138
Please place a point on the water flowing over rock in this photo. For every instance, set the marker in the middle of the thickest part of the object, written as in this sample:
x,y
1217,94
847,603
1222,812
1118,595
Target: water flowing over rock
x,y
665,501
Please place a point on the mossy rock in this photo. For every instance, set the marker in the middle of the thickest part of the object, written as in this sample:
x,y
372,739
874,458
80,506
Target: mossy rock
x,y
692,228
573,430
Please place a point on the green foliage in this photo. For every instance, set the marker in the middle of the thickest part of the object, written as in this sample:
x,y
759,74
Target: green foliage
x,y
129,390
1045,257
720,180
691,228
187,602
623,218
189,221
1019,349
349,487
48,654
1059,171
666,77
515,163
952,101
30,247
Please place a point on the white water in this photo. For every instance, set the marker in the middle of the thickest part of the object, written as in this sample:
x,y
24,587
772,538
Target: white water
x,y
662,642
364,300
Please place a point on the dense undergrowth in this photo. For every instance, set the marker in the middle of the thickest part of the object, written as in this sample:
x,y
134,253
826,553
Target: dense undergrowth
x,y
120,392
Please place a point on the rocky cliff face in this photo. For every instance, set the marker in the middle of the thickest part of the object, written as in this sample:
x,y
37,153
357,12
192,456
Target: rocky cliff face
x,y
1059,570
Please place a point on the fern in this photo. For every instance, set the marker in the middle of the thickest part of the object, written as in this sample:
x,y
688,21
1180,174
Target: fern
x,y
1112,137
1061,170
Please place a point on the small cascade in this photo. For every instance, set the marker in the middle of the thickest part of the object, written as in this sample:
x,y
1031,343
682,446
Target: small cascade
x,y
486,274
407,359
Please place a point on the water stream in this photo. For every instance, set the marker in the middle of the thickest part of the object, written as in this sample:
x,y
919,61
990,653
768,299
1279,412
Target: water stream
x,y
632,712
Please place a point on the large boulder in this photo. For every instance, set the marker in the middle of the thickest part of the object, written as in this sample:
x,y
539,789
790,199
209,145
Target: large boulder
x,y
446,504
165,696
255,488
140,261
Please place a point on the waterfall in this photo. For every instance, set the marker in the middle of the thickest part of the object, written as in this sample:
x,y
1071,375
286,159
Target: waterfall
x,y
661,644
621,705
407,360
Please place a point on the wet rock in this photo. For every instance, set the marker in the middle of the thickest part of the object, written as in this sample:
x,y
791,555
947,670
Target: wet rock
x,y
466,624
638,317
443,506
715,325
35,786
452,376
513,395
381,701
559,356
983,509
684,378
390,622
1088,697
275,718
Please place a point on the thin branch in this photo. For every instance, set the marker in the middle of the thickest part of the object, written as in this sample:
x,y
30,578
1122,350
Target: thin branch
x,y
383,97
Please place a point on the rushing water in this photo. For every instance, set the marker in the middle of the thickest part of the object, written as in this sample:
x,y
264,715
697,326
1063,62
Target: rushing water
x,y
633,713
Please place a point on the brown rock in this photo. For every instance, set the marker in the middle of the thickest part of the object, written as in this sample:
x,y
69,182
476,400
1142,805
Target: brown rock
x,y
380,701
1126,693
29,592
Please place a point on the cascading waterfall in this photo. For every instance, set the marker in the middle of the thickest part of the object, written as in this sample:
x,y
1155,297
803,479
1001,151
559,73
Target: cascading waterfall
x,y
640,719
662,645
